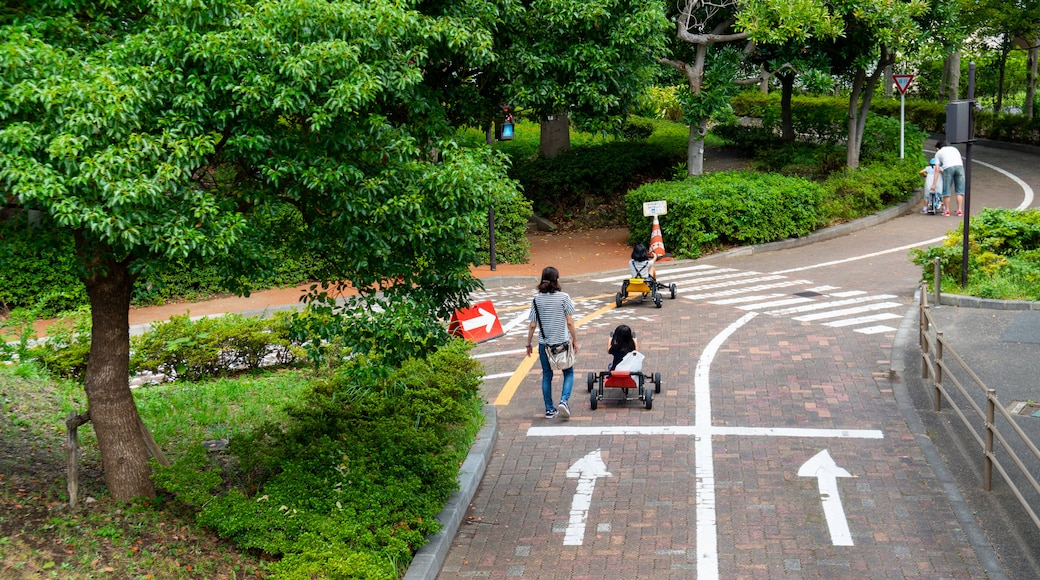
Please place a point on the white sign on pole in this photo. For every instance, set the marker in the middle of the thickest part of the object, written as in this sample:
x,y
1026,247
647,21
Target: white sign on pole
x,y
652,208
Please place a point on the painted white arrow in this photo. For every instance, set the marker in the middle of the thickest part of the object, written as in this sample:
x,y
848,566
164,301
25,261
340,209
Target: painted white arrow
x,y
822,467
486,319
587,470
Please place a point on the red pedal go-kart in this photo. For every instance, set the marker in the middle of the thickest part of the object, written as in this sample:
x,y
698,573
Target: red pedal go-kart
x,y
624,380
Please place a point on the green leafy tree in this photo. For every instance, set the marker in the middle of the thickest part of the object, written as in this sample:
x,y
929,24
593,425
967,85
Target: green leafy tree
x,y
703,24
580,61
859,39
159,131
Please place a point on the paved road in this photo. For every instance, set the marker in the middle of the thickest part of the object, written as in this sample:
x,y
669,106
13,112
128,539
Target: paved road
x,y
776,448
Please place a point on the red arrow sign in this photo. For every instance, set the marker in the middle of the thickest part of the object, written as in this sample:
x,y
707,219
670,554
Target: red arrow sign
x,y
478,323
903,82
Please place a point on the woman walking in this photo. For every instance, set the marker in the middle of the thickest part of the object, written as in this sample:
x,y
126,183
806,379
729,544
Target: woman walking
x,y
551,310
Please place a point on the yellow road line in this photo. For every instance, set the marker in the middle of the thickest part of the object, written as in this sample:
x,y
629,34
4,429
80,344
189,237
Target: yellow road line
x,y
525,366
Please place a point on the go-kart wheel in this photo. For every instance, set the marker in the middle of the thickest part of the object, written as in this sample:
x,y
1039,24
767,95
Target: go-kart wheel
x,y
592,380
672,290
657,300
624,395
618,299
657,382
594,400
648,398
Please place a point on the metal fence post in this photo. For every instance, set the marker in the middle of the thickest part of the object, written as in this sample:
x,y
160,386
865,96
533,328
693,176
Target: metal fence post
x,y
938,370
937,280
987,477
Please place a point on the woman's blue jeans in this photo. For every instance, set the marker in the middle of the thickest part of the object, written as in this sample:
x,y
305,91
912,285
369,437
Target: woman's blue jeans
x,y
547,377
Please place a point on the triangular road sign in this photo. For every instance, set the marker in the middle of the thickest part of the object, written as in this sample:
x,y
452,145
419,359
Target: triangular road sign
x,y
903,82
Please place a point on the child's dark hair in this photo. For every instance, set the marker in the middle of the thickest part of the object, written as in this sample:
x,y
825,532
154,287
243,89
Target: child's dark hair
x,y
623,337
639,253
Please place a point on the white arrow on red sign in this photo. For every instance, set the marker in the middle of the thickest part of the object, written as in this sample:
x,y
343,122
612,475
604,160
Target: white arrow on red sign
x,y
478,323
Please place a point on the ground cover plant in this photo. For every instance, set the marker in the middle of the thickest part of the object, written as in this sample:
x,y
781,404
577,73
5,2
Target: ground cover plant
x,y
1003,256
323,471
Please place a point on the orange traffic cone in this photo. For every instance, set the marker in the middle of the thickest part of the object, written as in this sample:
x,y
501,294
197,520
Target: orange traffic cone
x,y
657,242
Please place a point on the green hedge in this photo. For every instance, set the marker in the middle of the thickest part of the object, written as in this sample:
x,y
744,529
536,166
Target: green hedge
x,y
727,208
351,486
1003,256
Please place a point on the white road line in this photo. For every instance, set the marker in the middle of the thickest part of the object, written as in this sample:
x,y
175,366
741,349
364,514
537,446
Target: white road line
x,y
830,304
1027,192
704,470
500,353
762,305
875,329
520,319
863,257
498,376
730,283
758,288
607,430
743,299
848,293
847,311
863,320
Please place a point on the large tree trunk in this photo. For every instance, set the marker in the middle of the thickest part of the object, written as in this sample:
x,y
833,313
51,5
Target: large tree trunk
x,y
695,148
1031,70
555,135
862,85
955,74
1005,48
113,413
786,118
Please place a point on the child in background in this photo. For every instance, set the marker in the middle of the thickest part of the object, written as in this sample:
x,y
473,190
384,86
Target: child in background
x,y
622,342
642,263
933,187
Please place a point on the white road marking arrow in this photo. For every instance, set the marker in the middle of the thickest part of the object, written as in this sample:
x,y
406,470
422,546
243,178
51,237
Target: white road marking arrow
x,y
587,470
822,467
486,319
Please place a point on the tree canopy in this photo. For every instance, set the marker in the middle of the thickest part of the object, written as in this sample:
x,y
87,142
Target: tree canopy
x,y
163,130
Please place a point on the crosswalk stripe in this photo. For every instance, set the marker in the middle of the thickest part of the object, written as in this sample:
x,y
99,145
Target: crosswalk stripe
x,y
730,283
874,329
847,311
743,299
785,302
848,293
736,291
830,304
862,320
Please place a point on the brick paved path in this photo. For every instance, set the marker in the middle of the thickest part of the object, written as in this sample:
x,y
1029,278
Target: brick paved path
x,y
771,372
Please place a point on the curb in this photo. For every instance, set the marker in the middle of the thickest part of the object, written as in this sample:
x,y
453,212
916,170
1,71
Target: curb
x,y
900,383
986,303
430,558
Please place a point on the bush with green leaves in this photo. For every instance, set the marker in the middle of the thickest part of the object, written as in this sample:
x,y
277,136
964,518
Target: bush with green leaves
x,y
590,174
854,193
351,485
213,346
38,268
1003,256
719,209
64,353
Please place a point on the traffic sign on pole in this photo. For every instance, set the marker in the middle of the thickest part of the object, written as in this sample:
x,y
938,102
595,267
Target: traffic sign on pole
x,y
903,82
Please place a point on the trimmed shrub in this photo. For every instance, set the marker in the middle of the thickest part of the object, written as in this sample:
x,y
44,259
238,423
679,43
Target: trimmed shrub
x,y
1003,256
353,482
854,193
739,207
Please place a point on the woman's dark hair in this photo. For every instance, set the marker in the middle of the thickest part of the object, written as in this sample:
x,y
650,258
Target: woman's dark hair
x,y
550,280
622,336
940,144
639,253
